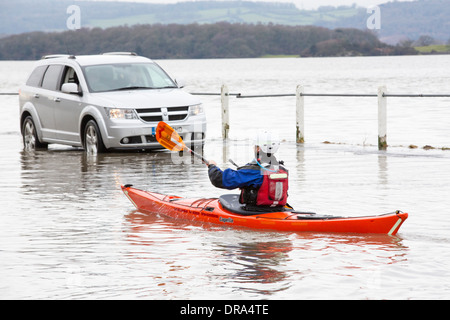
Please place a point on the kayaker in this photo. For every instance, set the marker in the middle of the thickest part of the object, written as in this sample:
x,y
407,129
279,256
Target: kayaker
x,y
263,181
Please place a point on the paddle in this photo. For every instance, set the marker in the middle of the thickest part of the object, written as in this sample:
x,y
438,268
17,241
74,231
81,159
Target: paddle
x,y
170,139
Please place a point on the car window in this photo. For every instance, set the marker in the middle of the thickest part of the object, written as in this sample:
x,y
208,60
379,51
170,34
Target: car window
x,y
36,76
70,76
111,77
52,77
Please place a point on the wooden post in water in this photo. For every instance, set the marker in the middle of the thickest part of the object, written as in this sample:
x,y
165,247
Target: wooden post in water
x,y
382,118
300,115
224,98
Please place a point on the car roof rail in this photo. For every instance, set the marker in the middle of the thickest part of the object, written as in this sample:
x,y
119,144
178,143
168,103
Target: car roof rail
x,y
54,56
120,53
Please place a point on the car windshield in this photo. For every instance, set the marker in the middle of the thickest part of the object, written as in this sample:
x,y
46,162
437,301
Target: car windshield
x,y
126,76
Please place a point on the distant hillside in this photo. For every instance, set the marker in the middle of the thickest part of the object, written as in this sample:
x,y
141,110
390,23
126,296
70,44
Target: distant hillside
x,y
228,11
405,20
219,40
399,20
50,15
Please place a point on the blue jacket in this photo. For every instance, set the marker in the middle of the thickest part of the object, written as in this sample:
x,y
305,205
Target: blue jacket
x,y
248,178
244,177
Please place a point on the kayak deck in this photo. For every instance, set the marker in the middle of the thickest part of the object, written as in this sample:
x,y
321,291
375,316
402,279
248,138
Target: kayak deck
x,y
212,210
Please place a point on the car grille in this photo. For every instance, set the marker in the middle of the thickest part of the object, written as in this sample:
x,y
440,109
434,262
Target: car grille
x,y
163,114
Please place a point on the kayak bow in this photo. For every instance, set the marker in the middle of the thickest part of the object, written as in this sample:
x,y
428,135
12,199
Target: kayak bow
x,y
226,210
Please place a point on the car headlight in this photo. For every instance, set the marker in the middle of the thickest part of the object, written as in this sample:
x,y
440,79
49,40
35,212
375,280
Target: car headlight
x,y
121,114
195,109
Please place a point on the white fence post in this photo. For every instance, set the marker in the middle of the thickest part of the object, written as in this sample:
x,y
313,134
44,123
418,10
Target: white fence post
x,y
225,112
300,115
382,118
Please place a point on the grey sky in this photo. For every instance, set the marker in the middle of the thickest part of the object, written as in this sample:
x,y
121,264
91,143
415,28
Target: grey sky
x,y
301,4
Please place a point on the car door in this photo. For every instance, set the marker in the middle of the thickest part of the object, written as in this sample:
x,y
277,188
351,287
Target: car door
x,y
47,101
32,92
68,109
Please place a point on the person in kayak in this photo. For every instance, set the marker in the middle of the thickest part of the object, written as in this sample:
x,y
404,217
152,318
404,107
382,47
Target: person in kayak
x,y
263,181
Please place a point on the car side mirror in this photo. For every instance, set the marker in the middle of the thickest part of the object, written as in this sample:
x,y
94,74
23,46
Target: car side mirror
x,y
71,88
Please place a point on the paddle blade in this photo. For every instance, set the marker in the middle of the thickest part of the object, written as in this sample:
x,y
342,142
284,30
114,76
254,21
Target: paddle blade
x,y
168,137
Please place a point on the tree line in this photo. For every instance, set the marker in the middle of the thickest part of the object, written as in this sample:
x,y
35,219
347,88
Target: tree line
x,y
200,41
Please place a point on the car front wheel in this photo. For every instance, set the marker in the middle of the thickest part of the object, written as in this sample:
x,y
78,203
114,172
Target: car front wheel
x,y
93,142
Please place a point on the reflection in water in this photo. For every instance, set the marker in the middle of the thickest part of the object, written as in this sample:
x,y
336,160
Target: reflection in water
x,y
81,213
260,264
257,267
251,265
71,171
383,176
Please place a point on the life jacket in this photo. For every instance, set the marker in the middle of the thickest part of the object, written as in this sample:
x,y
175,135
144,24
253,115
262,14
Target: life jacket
x,y
274,189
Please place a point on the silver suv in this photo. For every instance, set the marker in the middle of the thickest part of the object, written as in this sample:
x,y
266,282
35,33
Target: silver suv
x,y
100,102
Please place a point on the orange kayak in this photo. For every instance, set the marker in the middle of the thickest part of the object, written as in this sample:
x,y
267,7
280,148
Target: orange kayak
x,y
226,210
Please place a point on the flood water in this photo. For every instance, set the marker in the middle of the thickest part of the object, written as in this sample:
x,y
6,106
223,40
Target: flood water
x,y
68,232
